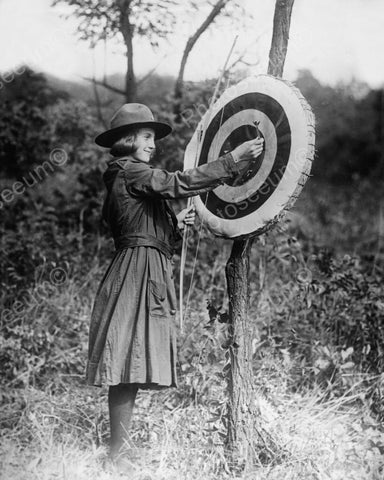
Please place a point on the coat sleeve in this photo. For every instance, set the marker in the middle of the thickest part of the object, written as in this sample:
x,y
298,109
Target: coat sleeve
x,y
143,180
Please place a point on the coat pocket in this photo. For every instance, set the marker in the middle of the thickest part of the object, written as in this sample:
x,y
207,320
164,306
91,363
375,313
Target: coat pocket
x,y
157,295
172,299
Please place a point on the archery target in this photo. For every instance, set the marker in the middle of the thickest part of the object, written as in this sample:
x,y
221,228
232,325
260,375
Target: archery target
x,y
252,202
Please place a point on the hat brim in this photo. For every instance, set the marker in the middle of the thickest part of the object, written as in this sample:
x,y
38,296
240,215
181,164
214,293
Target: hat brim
x,y
109,137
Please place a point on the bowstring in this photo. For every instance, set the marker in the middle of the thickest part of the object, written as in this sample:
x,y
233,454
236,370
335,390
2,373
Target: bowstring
x,y
198,151
215,154
184,247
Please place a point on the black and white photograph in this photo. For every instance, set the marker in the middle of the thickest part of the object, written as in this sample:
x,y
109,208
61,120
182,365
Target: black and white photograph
x,y
192,239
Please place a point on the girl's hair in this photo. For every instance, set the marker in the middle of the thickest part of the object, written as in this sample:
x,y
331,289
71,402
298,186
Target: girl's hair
x,y
125,145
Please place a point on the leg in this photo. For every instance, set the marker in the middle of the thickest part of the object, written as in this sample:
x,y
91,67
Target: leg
x,y
121,400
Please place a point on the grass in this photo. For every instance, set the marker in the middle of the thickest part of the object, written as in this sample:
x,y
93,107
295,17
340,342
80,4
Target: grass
x,y
60,430
65,436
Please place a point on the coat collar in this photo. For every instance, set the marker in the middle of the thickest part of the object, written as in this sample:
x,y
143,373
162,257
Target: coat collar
x,y
116,164
122,162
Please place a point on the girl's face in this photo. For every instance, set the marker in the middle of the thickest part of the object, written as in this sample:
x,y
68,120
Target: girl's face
x,y
144,144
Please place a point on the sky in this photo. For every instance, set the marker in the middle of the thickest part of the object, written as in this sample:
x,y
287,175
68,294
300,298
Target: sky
x,y
336,39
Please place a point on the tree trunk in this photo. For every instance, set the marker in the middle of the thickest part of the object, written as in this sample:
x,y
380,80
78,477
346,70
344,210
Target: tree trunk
x,y
127,32
280,37
98,107
247,442
179,85
241,410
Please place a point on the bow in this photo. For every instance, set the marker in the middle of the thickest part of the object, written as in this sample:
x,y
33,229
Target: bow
x,y
200,138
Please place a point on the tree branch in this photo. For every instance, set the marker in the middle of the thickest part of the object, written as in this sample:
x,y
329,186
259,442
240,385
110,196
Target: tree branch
x,y
240,58
105,85
151,72
219,5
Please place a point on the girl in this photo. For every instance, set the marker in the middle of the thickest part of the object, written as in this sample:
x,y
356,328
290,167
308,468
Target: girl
x,y
132,341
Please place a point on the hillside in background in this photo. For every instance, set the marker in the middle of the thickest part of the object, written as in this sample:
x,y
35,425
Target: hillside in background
x,y
152,90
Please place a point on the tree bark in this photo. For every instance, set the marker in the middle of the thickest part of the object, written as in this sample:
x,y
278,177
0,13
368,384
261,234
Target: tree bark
x,y
241,411
280,37
247,441
127,31
179,85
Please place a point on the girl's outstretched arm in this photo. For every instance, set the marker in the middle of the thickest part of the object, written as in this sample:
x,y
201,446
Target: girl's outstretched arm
x,y
143,180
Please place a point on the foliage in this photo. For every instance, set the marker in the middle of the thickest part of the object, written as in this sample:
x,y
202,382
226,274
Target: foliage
x,y
348,128
25,136
324,304
320,315
41,334
28,86
102,19
37,127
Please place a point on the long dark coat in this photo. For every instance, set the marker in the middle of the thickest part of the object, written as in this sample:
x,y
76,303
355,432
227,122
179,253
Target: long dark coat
x,y
132,332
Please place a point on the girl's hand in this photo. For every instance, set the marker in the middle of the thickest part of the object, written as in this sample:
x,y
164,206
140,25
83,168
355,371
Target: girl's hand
x,y
187,216
249,150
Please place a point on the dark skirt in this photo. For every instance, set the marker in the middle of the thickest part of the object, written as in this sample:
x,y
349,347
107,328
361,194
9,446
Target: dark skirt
x,y
132,336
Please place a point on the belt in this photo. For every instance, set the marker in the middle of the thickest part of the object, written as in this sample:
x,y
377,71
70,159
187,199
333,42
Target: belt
x,y
143,240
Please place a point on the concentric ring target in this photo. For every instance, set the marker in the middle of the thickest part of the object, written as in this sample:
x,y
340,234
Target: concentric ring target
x,y
251,203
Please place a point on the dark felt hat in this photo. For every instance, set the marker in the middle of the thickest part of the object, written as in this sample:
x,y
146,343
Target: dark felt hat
x,y
131,115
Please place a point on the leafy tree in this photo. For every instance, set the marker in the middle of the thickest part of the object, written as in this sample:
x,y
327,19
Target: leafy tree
x,y
123,20
149,20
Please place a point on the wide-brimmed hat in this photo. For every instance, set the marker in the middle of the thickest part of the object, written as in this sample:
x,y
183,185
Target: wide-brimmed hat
x,y
131,115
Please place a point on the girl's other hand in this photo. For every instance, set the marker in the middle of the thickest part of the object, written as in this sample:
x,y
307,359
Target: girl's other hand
x,y
187,216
